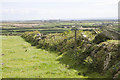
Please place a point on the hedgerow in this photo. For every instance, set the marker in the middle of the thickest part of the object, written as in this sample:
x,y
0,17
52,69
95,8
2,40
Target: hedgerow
x,y
102,57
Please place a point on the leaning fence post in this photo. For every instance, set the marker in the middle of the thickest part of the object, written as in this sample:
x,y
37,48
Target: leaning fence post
x,y
75,34
75,37
75,29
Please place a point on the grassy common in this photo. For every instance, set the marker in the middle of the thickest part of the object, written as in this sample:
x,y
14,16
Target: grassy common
x,y
21,60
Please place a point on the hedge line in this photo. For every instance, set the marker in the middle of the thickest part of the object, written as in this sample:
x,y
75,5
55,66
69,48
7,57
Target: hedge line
x,y
103,57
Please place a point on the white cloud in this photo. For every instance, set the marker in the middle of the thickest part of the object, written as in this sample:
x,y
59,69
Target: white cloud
x,y
108,1
44,0
58,9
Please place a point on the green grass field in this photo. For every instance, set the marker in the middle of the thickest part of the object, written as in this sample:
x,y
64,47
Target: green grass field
x,y
21,60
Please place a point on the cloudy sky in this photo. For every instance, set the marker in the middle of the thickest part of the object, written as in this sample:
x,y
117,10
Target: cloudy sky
x,y
58,9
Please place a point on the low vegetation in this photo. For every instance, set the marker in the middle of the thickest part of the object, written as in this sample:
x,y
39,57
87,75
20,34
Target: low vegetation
x,y
102,57
21,60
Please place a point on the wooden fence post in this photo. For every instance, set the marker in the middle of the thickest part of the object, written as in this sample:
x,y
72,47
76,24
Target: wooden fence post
x,y
75,34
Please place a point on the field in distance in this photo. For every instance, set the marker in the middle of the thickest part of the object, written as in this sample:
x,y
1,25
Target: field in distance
x,y
53,26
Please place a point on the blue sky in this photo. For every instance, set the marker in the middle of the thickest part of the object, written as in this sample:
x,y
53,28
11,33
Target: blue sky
x,y
58,9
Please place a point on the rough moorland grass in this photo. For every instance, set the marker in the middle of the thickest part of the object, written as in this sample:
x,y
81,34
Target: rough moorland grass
x,y
21,60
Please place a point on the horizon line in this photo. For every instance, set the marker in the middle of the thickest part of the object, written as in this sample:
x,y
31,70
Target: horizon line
x,y
61,19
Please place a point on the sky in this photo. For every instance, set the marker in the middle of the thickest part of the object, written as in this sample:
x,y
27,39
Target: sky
x,y
58,9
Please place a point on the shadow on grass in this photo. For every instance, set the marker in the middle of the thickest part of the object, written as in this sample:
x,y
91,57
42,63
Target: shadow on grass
x,y
71,62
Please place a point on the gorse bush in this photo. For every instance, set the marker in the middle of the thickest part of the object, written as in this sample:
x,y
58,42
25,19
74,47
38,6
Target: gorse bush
x,y
32,37
102,57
